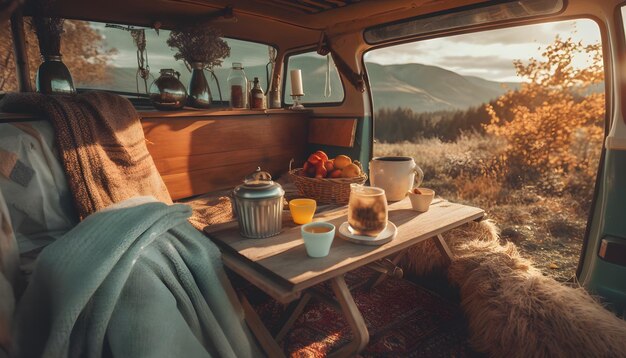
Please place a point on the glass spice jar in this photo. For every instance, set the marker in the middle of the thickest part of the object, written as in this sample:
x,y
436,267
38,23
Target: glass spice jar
x,y
256,95
238,83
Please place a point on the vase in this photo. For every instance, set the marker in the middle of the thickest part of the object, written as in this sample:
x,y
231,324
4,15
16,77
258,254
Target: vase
x,y
167,92
199,91
53,77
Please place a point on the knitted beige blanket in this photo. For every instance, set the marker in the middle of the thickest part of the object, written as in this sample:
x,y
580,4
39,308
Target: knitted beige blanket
x,y
210,209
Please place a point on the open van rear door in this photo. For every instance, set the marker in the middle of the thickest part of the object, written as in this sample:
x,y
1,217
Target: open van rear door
x,y
602,269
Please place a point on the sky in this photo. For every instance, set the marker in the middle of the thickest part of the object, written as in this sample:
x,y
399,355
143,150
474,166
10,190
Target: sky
x,y
487,54
162,56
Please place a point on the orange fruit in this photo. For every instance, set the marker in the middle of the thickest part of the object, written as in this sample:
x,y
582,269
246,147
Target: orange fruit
x,y
350,171
342,161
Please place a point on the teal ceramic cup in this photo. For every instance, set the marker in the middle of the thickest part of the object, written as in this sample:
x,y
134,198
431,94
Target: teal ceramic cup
x,y
318,236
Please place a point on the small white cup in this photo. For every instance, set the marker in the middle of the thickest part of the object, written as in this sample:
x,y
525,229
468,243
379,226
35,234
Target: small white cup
x,y
318,237
421,202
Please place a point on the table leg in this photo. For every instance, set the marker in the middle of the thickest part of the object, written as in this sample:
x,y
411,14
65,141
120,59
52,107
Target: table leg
x,y
268,344
291,314
443,248
377,280
353,316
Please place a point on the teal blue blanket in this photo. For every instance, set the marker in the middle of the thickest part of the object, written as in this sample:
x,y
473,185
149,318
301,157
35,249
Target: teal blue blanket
x,y
134,280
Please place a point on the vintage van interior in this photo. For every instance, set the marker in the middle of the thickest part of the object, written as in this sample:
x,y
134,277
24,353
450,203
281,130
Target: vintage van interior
x,y
138,279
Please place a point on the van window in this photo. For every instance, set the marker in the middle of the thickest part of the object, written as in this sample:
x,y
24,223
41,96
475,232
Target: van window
x,y
105,57
253,56
320,79
510,120
82,49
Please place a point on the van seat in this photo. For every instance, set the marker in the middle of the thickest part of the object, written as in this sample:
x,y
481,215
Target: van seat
x,y
34,185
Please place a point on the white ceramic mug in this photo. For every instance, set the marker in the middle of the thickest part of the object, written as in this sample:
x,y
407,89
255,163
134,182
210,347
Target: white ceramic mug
x,y
396,175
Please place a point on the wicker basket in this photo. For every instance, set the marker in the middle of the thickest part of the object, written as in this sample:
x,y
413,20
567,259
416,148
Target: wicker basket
x,y
323,190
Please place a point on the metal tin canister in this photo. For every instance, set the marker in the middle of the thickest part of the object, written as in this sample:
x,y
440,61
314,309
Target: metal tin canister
x,y
259,206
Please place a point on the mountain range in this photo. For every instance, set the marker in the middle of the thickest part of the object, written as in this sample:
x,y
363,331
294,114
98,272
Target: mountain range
x,y
422,88
425,88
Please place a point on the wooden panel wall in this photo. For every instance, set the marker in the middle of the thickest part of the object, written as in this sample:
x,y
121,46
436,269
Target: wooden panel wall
x,y
332,131
196,155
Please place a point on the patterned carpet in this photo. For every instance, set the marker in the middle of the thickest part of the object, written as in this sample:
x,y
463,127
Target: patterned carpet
x,y
403,319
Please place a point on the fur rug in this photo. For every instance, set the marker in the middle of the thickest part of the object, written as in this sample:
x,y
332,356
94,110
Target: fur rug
x,y
425,258
512,309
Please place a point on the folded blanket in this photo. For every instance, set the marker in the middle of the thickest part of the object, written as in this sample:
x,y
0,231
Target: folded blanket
x,y
210,209
102,145
134,280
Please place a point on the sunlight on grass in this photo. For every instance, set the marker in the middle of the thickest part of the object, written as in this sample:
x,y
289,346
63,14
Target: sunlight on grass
x,y
528,158
547,227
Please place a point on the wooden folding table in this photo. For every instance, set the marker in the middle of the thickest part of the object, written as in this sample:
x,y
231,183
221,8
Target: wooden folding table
x,y
280,266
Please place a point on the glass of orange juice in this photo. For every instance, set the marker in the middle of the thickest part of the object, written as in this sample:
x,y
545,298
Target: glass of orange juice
x,y
302,210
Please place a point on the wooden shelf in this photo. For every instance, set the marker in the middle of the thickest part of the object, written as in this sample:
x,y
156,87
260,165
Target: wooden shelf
x,y
221,112
184,113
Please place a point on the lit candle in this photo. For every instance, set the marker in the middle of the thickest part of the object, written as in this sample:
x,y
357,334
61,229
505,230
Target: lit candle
x,y
296,83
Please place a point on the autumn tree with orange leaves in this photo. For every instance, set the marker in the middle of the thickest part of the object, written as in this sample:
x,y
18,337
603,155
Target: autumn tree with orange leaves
x,y
81,47
554,122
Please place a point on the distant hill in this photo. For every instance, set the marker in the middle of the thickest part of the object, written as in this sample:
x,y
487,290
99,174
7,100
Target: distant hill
x,y
429,88
421,88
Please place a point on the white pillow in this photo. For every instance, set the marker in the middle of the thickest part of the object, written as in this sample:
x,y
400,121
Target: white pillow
x,y
34,184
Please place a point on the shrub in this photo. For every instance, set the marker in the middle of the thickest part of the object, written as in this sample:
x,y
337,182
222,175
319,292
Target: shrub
x,y
553,127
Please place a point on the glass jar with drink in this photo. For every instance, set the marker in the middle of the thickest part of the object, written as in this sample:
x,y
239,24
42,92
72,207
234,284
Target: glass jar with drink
x,y
367,210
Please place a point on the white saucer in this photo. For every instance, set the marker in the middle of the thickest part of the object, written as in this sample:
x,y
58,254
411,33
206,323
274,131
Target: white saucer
x,y
385,236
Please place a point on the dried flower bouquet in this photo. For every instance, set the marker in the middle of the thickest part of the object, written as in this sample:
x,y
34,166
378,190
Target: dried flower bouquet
x,y
199,43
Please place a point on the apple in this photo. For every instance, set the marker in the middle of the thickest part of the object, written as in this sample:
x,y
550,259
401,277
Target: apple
x,y
314,158
309,169
329,165
320,170
322,155
335,174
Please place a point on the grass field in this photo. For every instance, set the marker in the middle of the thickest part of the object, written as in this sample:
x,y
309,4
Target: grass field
x,y
547,225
